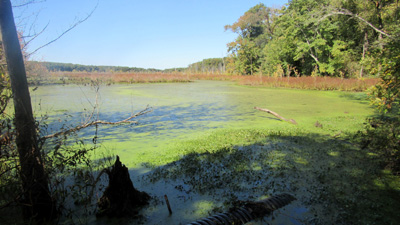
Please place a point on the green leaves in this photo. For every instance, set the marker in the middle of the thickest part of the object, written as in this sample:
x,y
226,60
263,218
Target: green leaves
x,y
339,38
255,29
385,95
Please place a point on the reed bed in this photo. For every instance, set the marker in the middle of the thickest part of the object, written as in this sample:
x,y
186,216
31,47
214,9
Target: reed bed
x,y
312,83
305,82
113,78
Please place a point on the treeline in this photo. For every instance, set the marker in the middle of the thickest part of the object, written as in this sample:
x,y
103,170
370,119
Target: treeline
x,y
308,37
212,66
174,70
69,67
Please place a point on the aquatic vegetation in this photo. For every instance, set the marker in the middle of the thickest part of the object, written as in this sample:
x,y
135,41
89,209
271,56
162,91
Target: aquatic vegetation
x,y
333,179
206,148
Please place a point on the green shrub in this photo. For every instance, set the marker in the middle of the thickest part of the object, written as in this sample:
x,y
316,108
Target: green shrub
x,y
382,135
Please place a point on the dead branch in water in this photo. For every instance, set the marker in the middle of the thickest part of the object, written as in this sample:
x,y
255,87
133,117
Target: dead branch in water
x,y
97,122
276,115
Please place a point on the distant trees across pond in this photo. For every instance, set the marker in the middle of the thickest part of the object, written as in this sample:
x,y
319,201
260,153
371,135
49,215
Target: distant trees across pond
x,y
69,67
206,66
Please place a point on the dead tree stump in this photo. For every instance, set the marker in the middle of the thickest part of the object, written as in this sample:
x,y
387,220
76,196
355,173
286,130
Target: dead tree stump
x,y
121,198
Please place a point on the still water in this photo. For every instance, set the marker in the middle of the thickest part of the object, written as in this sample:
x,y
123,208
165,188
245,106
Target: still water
x,y
182,111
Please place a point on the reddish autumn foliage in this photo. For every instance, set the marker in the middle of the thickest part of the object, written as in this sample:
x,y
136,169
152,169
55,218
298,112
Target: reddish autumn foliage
x,y
313,83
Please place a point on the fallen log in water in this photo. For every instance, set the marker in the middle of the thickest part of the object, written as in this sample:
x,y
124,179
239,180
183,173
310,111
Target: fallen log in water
x,y
248,212
276,115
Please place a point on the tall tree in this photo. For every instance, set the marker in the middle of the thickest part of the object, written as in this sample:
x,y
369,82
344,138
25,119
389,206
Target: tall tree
x,y
254,29
331,37
36,200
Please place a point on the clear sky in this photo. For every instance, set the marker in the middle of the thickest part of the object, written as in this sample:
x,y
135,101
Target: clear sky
x,y
136,33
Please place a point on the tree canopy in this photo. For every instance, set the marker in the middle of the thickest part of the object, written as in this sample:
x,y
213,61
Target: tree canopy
x,y
327,37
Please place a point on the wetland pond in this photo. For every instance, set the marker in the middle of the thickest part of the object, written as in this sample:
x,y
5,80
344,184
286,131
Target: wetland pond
x,y
205,146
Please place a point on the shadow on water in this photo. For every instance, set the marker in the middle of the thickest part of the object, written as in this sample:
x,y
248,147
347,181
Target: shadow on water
x,y
361,97
333,181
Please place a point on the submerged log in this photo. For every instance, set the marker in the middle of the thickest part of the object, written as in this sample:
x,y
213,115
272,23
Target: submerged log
x,y
248,212
276,115
121,198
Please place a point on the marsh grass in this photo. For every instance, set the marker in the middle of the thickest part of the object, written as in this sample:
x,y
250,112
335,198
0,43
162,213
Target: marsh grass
x,y
111,78
312,83
305,82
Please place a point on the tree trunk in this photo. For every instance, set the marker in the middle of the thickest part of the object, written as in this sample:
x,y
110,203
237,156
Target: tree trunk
x,y
380,23
37,201
121,198
365,49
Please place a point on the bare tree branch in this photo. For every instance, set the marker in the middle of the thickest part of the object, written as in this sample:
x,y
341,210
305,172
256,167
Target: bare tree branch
x,y
97,122
35,35
27,3
309,45
66,31
348,13
96,103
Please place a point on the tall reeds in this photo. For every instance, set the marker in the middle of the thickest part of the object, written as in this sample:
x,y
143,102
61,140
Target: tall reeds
x,y
305,82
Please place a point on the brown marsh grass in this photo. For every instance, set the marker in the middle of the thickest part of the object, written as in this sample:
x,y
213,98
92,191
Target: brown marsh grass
x,y
305,82
313,83
111,78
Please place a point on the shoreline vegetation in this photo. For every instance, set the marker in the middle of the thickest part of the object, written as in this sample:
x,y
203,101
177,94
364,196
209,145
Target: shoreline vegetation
x,y
301,82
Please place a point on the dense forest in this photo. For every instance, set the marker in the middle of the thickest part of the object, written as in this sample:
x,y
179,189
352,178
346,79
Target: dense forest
x,y
327,37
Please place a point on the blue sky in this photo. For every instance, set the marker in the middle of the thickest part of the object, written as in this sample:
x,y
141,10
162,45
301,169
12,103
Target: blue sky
x,y
147,33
